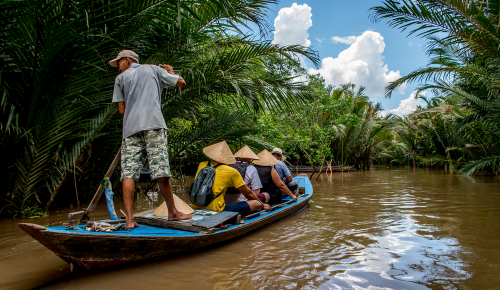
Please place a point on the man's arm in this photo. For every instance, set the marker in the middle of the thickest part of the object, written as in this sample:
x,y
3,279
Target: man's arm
x,y
180,83
121,108
253,180
281,186
286,173
252,196
118,97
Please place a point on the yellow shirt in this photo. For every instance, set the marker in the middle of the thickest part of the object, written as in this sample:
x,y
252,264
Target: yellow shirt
x,y
225,177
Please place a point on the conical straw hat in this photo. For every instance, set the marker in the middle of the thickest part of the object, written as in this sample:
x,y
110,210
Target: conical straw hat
x,y
246,152
265,159
180,205
220,152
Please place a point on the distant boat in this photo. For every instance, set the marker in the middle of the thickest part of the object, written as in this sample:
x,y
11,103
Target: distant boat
x,y
156,237
323,169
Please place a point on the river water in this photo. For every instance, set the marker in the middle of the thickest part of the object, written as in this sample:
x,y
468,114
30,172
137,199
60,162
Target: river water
x,y
379,229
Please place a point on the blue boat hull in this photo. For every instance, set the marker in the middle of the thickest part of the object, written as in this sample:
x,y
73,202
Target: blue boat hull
x,y
91,250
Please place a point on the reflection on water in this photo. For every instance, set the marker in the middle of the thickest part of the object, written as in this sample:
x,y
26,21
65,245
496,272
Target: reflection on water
x,y
382,229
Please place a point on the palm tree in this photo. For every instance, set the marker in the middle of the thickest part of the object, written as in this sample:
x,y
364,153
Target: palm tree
x,y
56,83
463,43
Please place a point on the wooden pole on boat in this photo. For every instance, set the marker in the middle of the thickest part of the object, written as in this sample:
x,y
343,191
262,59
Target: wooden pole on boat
x,y
100,190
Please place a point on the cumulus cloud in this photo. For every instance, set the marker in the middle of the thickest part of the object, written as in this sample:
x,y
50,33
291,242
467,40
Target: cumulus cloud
x,y
291,25
406,106
346,40
362,64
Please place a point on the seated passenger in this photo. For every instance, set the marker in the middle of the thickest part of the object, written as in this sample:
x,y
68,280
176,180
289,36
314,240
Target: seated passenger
x,y
271,182
250,176
225,177
283,171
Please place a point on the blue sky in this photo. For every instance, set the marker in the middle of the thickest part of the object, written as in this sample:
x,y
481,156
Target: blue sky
x,y
359,42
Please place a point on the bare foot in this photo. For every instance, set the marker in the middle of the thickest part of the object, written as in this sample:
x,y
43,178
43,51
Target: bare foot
x,y
132,225
179,216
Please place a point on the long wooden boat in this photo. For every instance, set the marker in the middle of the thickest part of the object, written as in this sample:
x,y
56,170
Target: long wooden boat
x,y
91,250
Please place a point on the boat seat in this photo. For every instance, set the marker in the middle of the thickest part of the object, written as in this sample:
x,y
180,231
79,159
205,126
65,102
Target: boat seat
x,y
216,219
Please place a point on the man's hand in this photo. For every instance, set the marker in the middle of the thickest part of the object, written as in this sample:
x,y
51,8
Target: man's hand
x,y
266,207
294,198
168,68
181,82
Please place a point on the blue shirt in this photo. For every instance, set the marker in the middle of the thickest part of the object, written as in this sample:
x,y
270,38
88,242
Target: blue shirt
x,y
282,170
140,88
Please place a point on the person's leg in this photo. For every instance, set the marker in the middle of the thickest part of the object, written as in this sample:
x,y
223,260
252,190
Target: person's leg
x,y
243,207
157,150
132,160
166,190
264,197
255,206
128,188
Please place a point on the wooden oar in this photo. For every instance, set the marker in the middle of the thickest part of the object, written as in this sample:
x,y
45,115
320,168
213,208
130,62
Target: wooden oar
x,y
100,190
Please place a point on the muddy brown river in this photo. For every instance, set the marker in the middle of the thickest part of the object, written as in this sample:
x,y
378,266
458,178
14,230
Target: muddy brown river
x,y
379,229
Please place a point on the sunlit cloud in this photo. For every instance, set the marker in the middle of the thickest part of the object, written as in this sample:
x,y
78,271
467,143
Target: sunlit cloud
x,y
291,25
345,40
406,106
361,64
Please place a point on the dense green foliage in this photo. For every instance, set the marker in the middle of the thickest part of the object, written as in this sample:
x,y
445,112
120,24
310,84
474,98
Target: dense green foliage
x,y
461,126
58,128
340,127
59,131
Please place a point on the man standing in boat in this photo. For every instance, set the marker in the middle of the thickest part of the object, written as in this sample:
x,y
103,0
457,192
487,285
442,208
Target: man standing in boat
x,y
137,92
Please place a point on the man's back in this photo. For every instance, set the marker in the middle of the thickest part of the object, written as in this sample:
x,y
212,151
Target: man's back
x,y
140,88
251,179
282,170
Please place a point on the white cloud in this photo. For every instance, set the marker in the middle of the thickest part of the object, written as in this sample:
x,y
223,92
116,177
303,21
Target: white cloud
x,y
406,106
291,25
319,40
346,40
410,44
361,64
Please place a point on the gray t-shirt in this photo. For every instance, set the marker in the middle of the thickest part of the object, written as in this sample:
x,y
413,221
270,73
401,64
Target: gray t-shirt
x,y
282,170
140,88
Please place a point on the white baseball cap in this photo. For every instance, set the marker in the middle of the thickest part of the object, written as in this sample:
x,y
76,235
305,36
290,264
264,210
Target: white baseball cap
x,y
279,152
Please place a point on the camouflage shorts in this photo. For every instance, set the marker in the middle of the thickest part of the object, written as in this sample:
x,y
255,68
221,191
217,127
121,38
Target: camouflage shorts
x,y
150,144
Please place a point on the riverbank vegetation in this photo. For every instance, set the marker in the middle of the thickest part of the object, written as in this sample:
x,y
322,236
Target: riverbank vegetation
x,y
59,131
460,126
340,127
